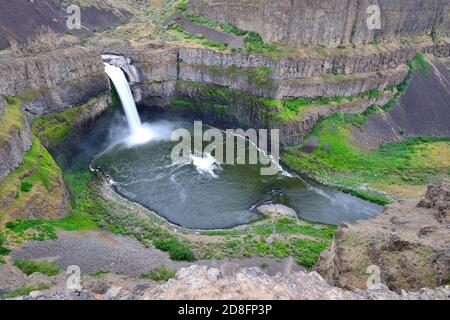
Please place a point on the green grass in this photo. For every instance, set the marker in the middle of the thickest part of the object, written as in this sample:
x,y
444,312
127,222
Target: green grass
x,y
321,231
281,110
179,32
86,206
54,128
28,267
177,250
253,42
38,177
99,273
346,165
31,229
4,251
26,186
12,118
86,210
161,273
420,64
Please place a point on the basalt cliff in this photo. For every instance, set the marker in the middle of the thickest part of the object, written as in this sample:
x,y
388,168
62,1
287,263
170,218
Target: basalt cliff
x,y
287,65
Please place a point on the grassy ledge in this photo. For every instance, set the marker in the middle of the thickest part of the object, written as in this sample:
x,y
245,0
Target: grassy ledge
x,y
54,128
400,168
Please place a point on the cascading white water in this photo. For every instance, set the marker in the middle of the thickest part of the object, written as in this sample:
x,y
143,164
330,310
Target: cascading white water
x,y
139,132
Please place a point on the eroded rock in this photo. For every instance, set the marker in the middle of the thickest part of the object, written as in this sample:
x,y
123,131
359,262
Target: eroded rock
x,y
406,242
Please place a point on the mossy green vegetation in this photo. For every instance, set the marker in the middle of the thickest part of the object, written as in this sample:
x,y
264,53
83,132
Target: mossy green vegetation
x,y
177,250
259,76
182,34
54,128
161,273
49,268
400,167
99,273
37,177
12,118
343,163
225,103
276,238
253,42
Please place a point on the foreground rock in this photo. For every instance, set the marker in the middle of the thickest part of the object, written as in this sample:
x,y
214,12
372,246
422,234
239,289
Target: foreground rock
x,y
408,243
201,282
274,210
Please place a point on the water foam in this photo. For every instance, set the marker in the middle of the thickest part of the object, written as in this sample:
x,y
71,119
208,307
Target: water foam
x,y
206,164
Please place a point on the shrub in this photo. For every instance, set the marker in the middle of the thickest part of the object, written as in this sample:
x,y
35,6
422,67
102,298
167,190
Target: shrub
x,y
4,251
28,267
26,186
181,5
161,273
10,100
177,250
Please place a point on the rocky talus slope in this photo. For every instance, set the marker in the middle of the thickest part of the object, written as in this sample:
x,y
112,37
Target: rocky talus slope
x,y
95,14
409,242
304,22
423,110
201,282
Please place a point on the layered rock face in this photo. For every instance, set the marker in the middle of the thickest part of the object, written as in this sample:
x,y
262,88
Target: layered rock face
x,y
163,73
156,68
45,83
408,243
53,81
14,145
201,282
303,23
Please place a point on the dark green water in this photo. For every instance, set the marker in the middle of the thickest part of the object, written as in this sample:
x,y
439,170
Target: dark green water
x,y
184,195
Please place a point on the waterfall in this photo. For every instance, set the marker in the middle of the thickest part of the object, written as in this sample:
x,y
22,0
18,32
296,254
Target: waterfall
x,y
139,133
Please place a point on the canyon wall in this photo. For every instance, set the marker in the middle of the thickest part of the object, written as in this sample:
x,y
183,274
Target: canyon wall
x,y
44,83
96,14
328,22
228,87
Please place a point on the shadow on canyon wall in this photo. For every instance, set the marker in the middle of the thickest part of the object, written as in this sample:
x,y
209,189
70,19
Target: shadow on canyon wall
x,y
423,110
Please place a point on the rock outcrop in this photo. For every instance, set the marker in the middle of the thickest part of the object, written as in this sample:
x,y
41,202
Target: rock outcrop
x,y
302,23
45,83
201,282
407,243
52,81
14,141
157,71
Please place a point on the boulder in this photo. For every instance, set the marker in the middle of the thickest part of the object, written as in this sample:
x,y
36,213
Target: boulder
x,y
276,210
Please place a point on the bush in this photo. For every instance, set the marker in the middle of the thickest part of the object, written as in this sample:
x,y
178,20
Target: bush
x,y
4,251
10,100
26,186
28,267
161,273
177,250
